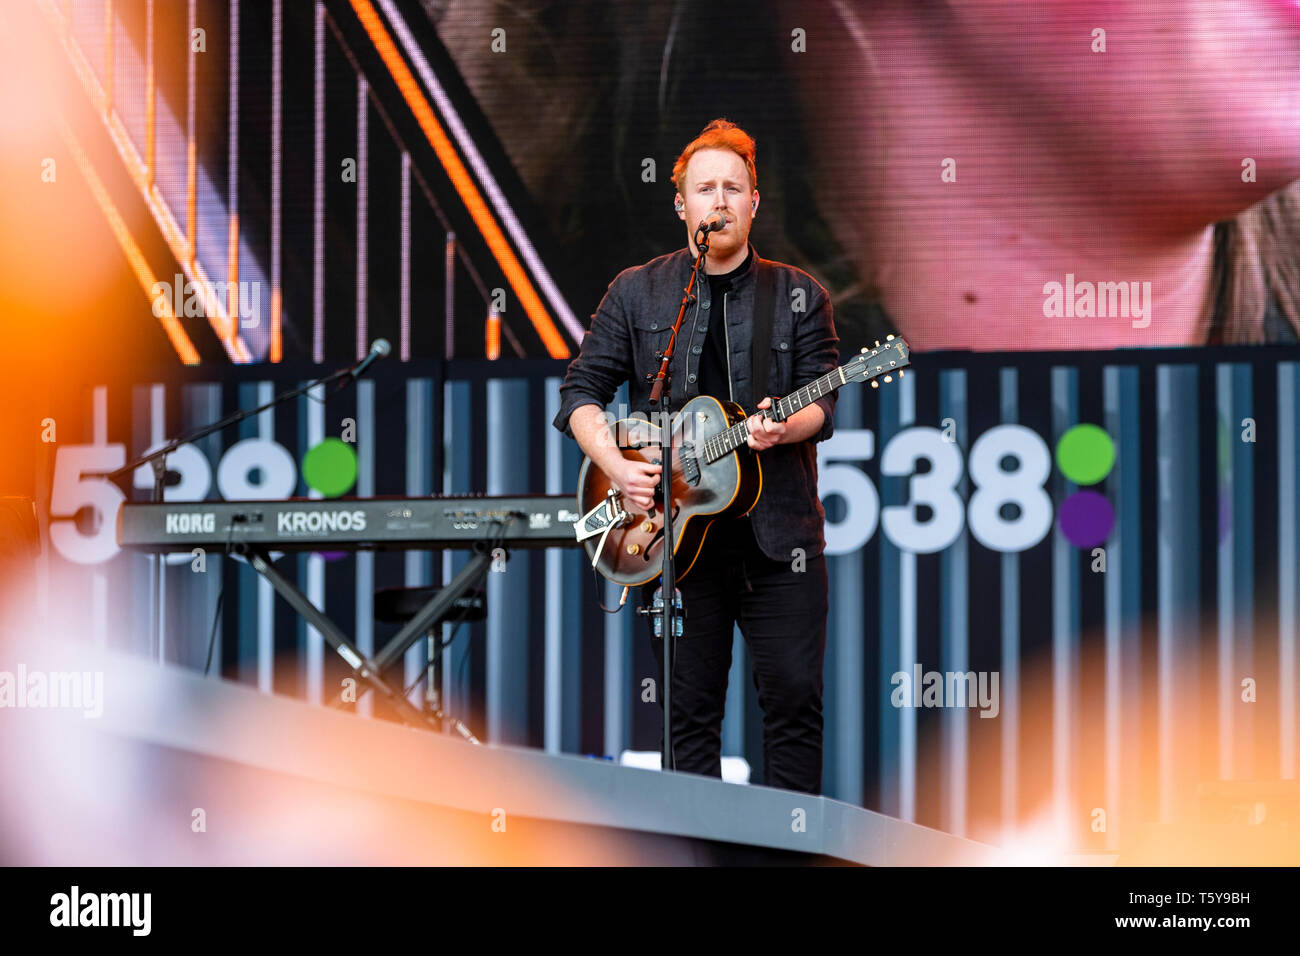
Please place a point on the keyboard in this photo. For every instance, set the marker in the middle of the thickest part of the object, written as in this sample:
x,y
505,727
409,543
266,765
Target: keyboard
x,y
350,524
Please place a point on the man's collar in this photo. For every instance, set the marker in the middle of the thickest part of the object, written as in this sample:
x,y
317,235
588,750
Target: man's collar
x,y
753,262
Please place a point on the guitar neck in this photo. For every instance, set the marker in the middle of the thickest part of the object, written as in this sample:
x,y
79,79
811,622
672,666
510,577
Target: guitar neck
x,y
724,443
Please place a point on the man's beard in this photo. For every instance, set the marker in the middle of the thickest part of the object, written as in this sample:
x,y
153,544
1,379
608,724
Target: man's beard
x,y
721,247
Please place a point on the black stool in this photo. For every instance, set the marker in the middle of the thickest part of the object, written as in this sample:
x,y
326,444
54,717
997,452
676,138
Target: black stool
x,y
400,606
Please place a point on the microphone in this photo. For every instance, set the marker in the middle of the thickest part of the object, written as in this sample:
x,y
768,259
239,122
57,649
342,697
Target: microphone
x,y
378,349
716,221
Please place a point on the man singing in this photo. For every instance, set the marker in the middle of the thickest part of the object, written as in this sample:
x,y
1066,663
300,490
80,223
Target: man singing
x,y
766,570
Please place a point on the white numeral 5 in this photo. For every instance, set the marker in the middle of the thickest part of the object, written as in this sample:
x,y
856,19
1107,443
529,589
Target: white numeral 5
x,y
73,491
851,484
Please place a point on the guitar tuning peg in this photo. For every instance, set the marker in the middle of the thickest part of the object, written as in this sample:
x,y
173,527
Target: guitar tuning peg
x,y
889,338
900,373
864,350
877,344
875,384
889,378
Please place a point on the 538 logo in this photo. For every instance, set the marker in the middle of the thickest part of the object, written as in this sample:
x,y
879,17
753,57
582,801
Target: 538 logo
x,y
1009,508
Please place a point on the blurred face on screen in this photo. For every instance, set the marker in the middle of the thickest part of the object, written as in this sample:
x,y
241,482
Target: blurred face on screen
x,y
990,171
716,179
1171,94
1015,166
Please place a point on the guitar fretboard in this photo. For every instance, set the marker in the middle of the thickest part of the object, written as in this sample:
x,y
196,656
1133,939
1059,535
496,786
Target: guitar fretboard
x,y
724,443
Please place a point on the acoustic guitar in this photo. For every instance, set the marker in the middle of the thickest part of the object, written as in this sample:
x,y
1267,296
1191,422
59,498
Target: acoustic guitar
x,y
711,478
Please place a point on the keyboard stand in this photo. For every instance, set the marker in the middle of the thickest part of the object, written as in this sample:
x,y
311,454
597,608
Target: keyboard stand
x,y
428,617
368,670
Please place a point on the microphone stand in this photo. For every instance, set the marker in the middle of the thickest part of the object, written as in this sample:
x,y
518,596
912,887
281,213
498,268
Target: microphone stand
x,y
661,391
157,459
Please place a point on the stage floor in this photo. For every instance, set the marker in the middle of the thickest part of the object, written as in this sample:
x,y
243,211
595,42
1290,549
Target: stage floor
x,y
179,769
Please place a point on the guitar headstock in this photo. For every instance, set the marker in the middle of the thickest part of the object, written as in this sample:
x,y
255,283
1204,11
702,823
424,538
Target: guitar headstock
x,y
882,361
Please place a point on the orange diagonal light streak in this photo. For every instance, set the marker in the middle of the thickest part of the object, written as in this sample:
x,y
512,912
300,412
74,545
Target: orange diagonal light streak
x,y
182,247
171,325
461,179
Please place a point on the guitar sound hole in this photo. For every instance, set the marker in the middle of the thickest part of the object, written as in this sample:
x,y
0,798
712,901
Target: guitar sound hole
x,y
645,552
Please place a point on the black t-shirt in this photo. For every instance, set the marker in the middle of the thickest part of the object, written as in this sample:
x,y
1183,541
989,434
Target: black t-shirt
x,y
713,358
726,539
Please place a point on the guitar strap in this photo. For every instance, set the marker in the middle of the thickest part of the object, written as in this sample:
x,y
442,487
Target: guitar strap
x,y
761,340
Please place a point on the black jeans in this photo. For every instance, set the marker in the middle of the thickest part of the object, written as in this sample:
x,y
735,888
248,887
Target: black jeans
x,y
781,609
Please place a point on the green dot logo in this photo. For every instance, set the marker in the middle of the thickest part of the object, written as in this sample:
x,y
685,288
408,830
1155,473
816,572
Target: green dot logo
x,y
330,468
1085,454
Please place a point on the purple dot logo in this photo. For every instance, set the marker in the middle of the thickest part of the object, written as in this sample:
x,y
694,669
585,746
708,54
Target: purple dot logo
x,y
1085,454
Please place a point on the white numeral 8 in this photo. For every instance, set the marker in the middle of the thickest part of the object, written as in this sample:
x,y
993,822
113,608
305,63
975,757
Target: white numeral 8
x,y
1023,487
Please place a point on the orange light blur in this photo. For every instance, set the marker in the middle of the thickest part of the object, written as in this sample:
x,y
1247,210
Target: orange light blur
x,y
232,255
276,352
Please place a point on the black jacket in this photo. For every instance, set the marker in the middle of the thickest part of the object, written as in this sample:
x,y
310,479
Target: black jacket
x,y
633,321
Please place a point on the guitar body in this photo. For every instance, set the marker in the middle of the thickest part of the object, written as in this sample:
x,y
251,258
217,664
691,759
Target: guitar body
x,y
632,552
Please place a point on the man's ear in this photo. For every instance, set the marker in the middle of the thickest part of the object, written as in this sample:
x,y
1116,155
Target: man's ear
x,y
679,204
753,205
